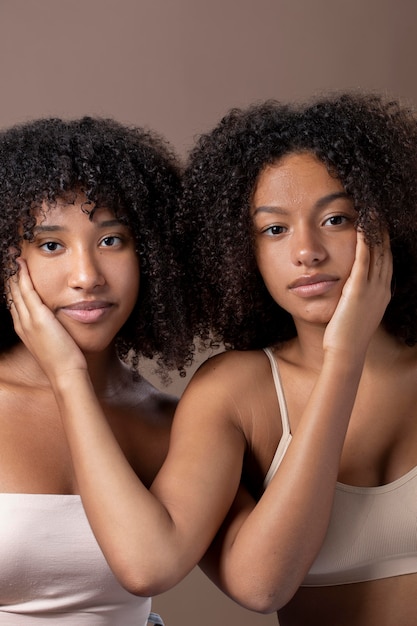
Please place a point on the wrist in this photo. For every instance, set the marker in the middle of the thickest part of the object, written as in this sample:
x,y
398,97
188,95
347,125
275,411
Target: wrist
x,y
347,360
69,381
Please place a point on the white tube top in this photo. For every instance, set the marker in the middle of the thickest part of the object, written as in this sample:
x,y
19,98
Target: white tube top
x,y
52,569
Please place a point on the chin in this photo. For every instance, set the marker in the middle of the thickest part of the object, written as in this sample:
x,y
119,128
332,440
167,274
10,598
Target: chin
x,y
92,340
321,316
92,347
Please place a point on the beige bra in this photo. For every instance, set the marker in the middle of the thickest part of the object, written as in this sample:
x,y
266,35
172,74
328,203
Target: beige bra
x,y
372,531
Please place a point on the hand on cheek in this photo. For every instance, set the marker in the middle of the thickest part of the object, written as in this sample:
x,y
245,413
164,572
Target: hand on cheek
x,y
36,325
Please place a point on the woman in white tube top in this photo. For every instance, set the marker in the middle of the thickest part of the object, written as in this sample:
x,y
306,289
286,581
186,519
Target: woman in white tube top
x,y
289,218
89,203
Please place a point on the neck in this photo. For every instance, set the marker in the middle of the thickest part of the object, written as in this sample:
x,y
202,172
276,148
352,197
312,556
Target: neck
x,y
106,371
307,347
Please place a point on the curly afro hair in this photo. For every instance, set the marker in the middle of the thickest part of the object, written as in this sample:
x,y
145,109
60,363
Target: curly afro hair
x,y
131,171
366,141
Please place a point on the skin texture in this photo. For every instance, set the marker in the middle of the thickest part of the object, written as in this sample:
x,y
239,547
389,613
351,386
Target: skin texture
x,y
216,434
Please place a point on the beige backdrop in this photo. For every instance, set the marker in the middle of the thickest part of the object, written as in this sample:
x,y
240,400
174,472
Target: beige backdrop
x,y
177,66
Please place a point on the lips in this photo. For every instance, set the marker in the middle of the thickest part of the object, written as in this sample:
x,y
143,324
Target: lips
x,y
314,285
86,311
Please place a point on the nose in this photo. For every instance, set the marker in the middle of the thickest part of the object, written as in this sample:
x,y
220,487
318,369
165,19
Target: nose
x,y
85,270
307,247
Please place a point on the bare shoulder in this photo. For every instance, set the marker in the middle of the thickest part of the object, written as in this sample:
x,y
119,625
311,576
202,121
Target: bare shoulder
x,y
228,387
233,369
235,391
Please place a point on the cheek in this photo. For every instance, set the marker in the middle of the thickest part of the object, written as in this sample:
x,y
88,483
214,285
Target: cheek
x,y
349,252
47,288
129,280
271,260
46,280
270,267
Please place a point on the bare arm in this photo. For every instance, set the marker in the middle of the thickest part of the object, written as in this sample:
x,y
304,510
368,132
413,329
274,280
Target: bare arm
x,y
151,540
262,554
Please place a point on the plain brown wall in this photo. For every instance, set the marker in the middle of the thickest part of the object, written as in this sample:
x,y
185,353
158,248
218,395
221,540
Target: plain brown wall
x,y
177,66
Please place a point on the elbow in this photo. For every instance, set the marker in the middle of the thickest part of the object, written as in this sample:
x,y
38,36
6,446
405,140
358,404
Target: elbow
x,y
137,586
148,586
271,603
261,596
145,584
146,579
261,602
263,589
263,605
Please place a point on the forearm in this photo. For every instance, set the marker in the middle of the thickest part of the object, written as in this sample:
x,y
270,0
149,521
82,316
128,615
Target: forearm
x,y
264,563
150,539
130,524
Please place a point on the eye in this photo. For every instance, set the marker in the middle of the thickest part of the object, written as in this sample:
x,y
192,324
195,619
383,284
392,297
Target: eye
x,y
50,246
274,230
111,241
336,220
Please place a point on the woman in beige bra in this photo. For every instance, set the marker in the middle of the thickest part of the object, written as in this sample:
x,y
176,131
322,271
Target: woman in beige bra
x,y
290,215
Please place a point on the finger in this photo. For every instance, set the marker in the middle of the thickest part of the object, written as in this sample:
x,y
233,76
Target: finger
x,y
381,265
29,305
8,296
387,263
15,303
362,248
14,292
361,262
25,301
11,305
21,288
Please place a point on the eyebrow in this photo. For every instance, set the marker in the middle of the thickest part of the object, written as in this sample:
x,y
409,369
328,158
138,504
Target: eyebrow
x,y
319,204
51,228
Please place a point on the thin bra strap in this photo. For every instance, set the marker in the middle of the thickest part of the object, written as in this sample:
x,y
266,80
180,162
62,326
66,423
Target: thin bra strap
x,y
286,432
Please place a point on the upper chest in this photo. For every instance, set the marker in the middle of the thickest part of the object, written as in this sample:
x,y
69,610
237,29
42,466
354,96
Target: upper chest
x,y
381,440
35,454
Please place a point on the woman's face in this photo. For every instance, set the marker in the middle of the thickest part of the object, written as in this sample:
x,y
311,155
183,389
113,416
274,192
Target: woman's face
x,y
305,236
85,270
